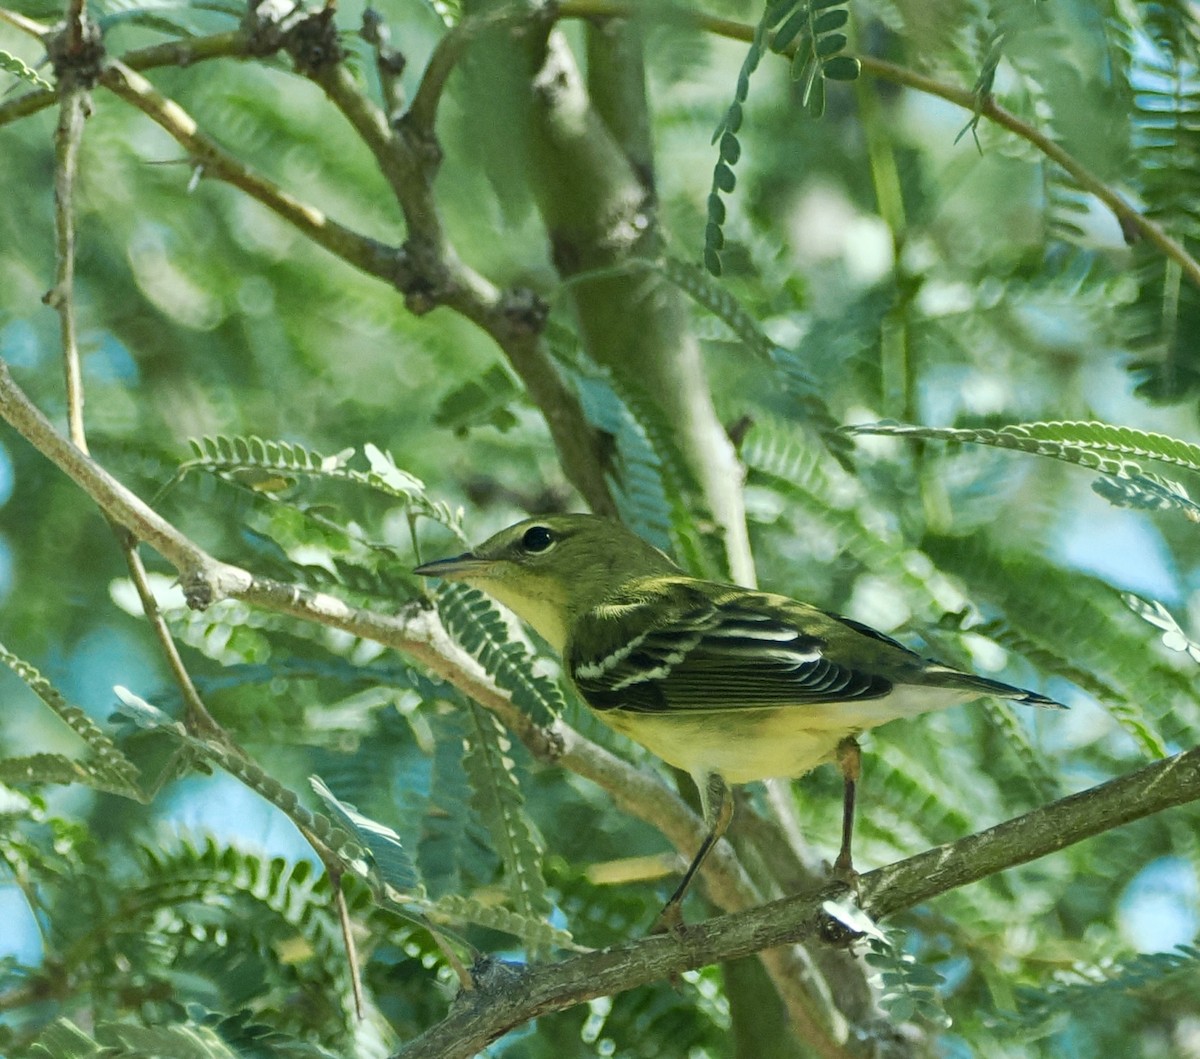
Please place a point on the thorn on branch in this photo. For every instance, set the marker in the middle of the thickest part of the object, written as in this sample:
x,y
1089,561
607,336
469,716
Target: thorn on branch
x,y
554,744
198,591
420,297
421,141
834,932
491,975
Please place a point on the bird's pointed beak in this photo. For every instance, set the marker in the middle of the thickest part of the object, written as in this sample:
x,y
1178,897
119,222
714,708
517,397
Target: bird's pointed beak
x,y
456,568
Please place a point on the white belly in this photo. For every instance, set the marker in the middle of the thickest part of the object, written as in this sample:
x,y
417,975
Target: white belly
x,y
758,744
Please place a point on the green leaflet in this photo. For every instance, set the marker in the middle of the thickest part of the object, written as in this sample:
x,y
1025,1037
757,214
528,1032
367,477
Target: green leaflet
x,y
271,467
271,901
808,31
1100,446
391,859
1164,110
810,407
653,484
777,457
453,851
496,796
149,717
1112,450
106,768
908,990
18,67
483,401
1147,492
1086,989
476,623
536,933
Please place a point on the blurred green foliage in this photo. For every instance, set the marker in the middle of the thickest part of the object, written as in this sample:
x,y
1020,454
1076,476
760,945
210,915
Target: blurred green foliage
x,y
897,258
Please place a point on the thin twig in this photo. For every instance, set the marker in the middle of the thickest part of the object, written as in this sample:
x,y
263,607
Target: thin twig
x,y
1129,218
67,137
76,19
421,116
25,25
364,253
339,901
234,45
197,718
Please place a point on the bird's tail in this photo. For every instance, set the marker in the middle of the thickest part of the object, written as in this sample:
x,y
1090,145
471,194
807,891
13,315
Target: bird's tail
x,y
987,686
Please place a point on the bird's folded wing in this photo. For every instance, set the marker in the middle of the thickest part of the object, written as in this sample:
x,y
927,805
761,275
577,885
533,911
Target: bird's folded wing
x,y
685,650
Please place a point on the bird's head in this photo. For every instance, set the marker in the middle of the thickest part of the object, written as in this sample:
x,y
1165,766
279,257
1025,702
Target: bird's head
x,y
547,570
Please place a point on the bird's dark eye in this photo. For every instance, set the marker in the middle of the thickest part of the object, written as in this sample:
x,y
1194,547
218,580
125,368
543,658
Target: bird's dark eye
x,y
537,539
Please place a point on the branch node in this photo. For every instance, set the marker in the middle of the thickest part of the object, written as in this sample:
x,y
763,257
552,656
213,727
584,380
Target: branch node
x,y
389,61
209,582
198,590
313,43
420,297
422,278
835,932
524,311
421,141
77,54
267,24
491,975
553,744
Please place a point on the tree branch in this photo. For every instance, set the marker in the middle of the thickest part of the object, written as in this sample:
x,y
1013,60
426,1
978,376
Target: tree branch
x,y
509,995
24,24
419,634
67,137
233,45
416,632
408,155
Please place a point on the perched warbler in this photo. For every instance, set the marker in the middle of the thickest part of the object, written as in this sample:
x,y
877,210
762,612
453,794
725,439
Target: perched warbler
x,y
728,683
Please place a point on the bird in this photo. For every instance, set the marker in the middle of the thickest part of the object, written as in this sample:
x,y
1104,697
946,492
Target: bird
x,y
729,684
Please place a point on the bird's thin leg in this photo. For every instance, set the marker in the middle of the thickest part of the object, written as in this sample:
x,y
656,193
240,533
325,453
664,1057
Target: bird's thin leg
x,y
849,759
717,802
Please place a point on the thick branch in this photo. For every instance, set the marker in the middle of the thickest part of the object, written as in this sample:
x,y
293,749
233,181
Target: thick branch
x,y
508,996
600,216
